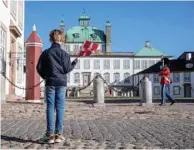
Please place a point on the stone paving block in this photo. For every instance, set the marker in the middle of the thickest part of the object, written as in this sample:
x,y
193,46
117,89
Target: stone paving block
x,y
115,127
96,134
85,130
76,132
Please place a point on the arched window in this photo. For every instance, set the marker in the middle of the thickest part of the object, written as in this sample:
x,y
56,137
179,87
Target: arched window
x,y
107,77
116,77
126,77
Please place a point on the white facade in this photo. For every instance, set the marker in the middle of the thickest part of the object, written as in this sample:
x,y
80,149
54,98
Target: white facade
x,y
116,67
12,33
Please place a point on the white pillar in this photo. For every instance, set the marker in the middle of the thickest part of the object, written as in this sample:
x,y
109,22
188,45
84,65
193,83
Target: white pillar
x,y
146,91
114,94
98,89
131,93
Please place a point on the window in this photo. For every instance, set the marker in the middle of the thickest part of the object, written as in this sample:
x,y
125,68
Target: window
x,y
156,90
2,49
137,64
126,64
67,48
96,64
19,66
116,77
151,62
187,77
76,48
77,66
106,64
86,64
20,13
76,78
144,64
176,77
116,64
68,78
176,90
107,77
155,78
14,9
126,77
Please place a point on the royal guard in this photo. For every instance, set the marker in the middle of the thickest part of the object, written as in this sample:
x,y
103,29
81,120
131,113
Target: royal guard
x,y
165,82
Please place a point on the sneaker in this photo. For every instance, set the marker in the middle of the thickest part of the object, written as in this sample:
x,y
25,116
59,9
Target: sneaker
x,y
47,139
59,138
173,102
162,104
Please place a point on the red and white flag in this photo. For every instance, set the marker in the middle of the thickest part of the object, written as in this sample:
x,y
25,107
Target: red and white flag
x,y
88,48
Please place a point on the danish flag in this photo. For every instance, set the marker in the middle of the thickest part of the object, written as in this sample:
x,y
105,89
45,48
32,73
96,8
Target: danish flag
x,y
88,48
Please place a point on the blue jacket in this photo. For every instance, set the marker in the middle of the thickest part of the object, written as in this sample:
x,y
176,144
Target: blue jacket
x,y
53,65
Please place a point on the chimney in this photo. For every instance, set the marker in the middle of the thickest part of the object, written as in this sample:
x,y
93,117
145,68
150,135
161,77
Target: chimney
x,y
188,56
147,44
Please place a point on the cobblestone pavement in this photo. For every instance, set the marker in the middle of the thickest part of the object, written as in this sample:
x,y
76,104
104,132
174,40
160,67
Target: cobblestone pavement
x,y
106,127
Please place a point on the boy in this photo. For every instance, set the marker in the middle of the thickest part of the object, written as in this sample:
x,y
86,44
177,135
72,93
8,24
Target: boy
x,y
53,65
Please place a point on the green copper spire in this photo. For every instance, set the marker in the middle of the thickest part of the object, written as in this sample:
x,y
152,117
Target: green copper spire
x,y
108,23
62,20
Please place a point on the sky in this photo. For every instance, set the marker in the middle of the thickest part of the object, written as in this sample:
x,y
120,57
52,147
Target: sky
x,y
169,26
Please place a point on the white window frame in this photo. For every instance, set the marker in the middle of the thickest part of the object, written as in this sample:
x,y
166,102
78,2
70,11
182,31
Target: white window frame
x,y
116,64
97,64
76,77
117,77
127,79
106,64
107,77
126,64
86,64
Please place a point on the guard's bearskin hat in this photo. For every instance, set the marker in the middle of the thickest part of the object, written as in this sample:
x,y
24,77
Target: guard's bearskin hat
x,y
166,61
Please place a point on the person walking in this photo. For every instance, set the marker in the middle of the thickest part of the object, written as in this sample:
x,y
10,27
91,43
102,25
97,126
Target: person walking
x,y
53,65
165,83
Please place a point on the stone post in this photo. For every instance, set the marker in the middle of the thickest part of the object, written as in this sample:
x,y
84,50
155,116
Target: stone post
x,y
114,94
146,92
131,93
77,95
98,88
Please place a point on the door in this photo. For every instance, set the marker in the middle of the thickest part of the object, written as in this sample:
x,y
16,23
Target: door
x,y
86,79
187,90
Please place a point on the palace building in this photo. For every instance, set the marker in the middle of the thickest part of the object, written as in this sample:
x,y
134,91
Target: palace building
x,y
117,68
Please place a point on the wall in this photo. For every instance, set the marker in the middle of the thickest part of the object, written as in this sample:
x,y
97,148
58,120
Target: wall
x,y
5,20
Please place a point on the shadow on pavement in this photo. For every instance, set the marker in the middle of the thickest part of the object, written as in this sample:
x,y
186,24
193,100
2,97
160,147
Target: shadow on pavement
x,y
109,101
15,139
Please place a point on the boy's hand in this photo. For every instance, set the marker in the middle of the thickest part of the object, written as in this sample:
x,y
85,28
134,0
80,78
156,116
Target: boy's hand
x,y
74,62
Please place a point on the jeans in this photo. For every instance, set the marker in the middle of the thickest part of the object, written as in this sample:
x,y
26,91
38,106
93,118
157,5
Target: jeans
x,y
55,99
165,93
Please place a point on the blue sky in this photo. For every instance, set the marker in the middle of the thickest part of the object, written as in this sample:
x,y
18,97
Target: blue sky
x,y
169,26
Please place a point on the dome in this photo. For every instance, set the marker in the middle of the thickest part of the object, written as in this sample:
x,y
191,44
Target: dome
x,y
79,34
84,16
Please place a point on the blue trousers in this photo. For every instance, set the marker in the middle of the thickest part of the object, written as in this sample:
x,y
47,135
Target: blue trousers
x,y
55,99
165,93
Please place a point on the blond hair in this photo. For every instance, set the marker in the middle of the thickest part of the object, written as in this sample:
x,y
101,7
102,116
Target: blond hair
x,y
56,36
